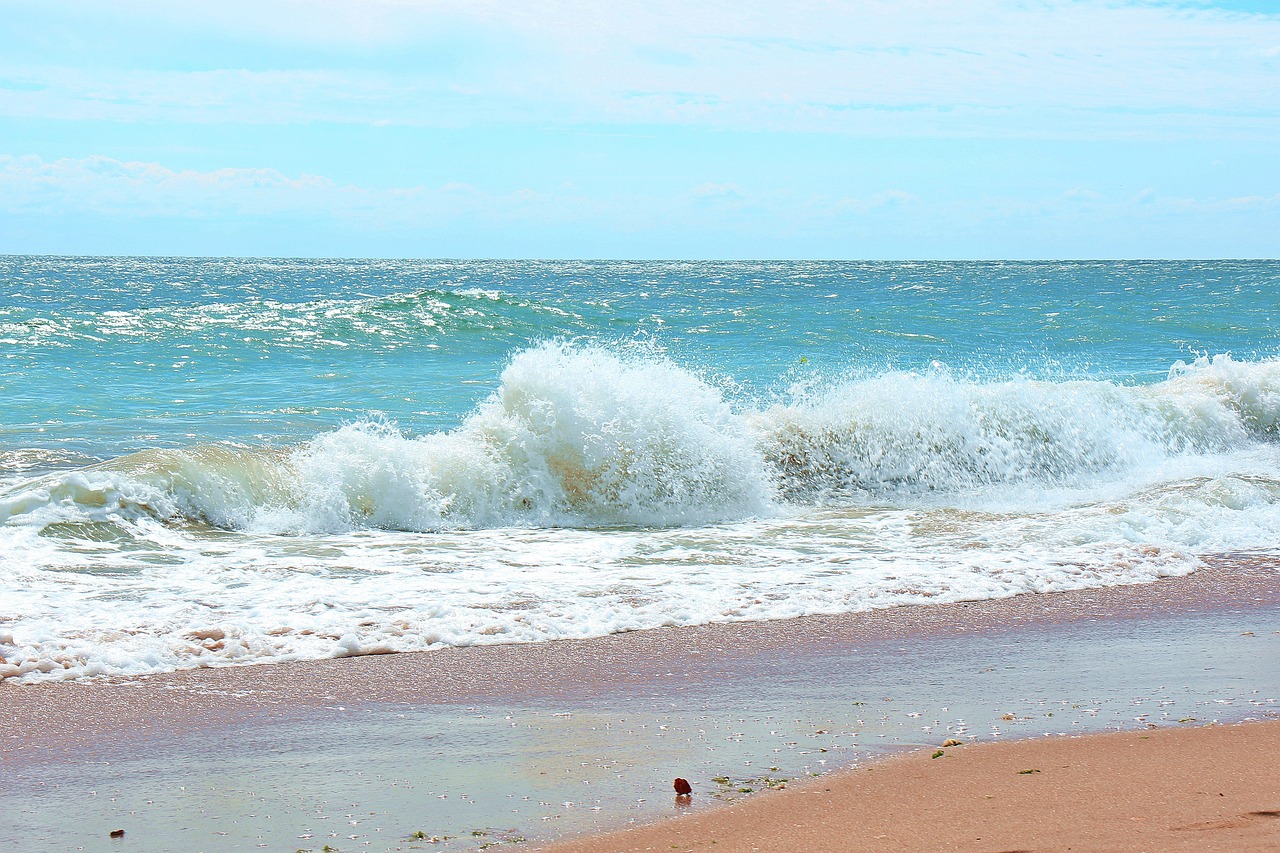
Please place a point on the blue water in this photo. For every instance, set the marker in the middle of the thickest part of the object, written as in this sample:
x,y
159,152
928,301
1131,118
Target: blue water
x,y
222,460
109,355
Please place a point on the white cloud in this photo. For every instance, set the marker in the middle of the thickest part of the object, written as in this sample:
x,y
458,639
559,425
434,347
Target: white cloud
x,y
1082,194
162,207
107,187
103,186
988,67
1251,202
713,190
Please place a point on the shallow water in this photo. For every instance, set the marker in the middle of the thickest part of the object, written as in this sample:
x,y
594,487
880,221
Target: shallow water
x,y
369,776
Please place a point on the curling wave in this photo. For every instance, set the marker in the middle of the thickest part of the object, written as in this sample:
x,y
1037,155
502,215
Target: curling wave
x,y
581,436
573,437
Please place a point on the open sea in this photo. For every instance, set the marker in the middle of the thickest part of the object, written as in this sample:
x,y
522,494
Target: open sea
x,y
229,461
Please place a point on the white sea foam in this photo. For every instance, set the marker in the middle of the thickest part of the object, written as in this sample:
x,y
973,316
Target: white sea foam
x,y
900,434
574,437
600,491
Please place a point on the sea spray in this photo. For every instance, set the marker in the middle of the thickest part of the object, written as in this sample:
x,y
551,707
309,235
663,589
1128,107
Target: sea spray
x,y
585,436
575,436
904,433
1248,390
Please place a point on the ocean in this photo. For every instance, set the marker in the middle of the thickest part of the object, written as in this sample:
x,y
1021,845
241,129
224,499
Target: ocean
x,y
230,461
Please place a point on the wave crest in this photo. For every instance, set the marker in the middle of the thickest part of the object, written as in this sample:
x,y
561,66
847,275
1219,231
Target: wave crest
x,y
573,437
585,436
912,432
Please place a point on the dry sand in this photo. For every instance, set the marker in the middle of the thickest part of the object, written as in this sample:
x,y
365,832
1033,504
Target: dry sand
x,y
1202,789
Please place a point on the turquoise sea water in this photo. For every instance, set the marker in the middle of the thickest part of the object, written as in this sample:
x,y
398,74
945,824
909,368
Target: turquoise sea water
x,y
218,460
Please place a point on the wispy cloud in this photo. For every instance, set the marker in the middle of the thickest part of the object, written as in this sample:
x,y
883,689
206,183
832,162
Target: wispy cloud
x,y
645,127
104,186
985,68
113,188
264,210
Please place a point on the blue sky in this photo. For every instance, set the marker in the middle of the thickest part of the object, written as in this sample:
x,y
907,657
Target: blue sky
x,y
656,129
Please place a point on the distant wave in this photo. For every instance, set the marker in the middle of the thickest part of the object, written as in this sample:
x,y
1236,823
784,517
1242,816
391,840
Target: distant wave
x,y
402,317
586,436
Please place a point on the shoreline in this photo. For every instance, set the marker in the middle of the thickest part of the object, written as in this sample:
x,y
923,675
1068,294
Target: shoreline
x,y
81,711
573,738
1209,788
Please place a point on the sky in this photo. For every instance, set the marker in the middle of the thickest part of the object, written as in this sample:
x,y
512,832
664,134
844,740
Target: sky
x,y
641,128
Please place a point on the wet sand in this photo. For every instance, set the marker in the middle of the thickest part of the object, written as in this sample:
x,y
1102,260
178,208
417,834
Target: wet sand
x,y
72,714
1214,788
491,745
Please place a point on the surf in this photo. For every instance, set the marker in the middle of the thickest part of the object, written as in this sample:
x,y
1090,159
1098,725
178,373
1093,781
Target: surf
x,y
588,436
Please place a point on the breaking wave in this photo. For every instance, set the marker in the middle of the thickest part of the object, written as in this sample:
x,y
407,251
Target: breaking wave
x,y
583,436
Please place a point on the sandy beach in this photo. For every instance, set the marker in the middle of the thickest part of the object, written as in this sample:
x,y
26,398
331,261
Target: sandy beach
x,y
1209,788
484,746
646,425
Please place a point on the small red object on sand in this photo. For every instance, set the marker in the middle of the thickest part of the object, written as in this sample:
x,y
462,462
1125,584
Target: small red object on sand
x,y
683,788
